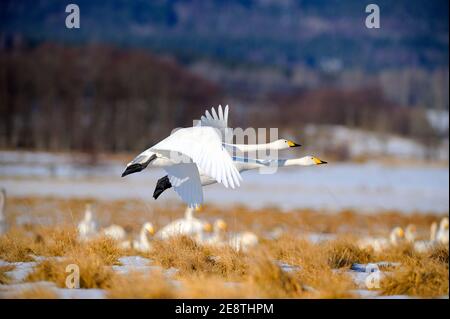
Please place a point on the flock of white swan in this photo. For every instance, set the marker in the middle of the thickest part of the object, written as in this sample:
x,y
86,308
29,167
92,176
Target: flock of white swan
x,y
199,230
438,235
217,235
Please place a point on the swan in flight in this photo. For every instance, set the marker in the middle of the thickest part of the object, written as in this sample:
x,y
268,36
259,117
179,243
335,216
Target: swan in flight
x,y
242,165
191,152
379,244
187,226
87,228
2,211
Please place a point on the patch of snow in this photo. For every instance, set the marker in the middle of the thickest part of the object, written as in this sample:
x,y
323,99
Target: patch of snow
x,y
21,270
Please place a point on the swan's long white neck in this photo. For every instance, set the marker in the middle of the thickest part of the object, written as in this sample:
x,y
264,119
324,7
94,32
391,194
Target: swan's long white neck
x,y
304,161
252,147
189,213
143,236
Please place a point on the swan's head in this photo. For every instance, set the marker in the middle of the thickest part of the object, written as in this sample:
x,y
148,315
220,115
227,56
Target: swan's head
x,y
220,225
207,227
311,160
397,233
148,227
444,223
283,144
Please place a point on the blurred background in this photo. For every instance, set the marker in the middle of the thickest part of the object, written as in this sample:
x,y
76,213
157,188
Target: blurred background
x,y
78,104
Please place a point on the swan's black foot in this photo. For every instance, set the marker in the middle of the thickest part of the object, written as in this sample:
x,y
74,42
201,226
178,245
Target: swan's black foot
x,y
162,184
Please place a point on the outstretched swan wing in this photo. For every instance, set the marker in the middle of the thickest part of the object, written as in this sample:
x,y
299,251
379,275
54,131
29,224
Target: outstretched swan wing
x,y
203,146
186,183
215,119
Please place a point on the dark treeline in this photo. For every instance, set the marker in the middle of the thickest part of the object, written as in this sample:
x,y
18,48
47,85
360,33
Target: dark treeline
x,y
94,98
97,98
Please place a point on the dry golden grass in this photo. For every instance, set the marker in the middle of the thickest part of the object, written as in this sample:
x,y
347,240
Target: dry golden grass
x,y
4,278
138,285
220,272
19,244
418,277
189,257
344,252
271,281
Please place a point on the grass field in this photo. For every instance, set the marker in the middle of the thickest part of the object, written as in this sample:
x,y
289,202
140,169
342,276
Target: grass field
x,y
43,238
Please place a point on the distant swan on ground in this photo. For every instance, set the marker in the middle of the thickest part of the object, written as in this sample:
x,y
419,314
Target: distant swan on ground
x,y
379,244
187,226
87,228
115,232
410,233
442,234
204,154
218,237
3,226
243,241
143,243
422,246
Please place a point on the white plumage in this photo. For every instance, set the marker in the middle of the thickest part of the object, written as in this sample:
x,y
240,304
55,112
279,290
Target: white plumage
x,y
198,155
187,226
379,244
142,244
87,228
243,241
115,232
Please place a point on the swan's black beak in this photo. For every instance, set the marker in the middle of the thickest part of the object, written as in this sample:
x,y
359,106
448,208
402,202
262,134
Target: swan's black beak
x,y
133,168
322,162
137,167
293,144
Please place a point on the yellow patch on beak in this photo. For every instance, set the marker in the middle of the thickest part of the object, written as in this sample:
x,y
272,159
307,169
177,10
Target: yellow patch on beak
x,y
318,161
400,233
150,230
292,144
198,208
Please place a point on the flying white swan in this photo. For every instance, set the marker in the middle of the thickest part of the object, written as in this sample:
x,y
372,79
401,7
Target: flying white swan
x,y
379,244
191,152
143,243
87,228
242,165
3,226
187,226
219,121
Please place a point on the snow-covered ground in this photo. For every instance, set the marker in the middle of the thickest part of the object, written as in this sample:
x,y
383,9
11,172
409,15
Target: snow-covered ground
x,y
366,187
370,144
